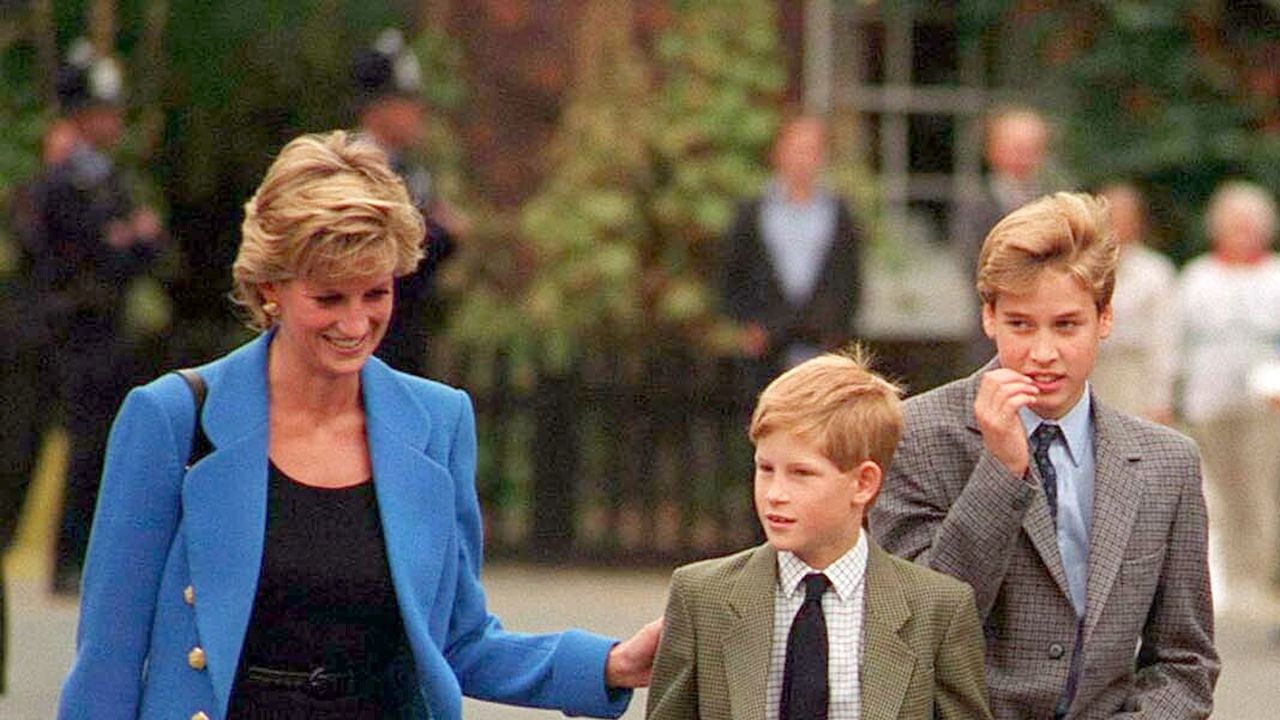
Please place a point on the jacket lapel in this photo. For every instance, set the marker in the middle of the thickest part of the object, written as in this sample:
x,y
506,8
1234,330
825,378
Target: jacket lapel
x,y
224,499
887,662
1037,523
747,648
1117,491
415,496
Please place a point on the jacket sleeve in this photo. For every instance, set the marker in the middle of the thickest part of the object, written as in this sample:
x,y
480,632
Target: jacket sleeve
x,y
557,670
970,537
960,681
1178,665
673,694
737,266
133,528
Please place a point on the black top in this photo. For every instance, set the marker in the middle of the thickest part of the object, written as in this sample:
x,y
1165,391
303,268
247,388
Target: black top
x,y
325,598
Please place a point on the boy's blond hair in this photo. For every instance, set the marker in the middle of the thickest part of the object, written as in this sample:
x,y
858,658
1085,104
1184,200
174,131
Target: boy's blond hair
x,y
837,403
1065,231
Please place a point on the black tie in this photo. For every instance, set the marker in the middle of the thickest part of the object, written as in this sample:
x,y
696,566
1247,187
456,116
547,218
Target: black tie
x,y
1041,439
804,677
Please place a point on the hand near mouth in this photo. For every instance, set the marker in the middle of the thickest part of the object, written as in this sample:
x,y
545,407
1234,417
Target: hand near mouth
x,y
1002,393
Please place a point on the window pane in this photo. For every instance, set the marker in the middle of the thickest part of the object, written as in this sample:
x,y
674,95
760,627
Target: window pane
x,y
935,56
931,138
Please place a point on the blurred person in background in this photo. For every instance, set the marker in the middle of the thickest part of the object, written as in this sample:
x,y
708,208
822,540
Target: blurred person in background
x,y
390,111
321,559
791,260
1229,314
88,239
27,357
1016,149
1137,363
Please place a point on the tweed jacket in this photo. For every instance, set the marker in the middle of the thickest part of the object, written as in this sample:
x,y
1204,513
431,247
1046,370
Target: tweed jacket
x,y
175,555
921,657
1145,645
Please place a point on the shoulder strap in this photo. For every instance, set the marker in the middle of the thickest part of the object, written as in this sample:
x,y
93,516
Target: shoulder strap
x,y
200,445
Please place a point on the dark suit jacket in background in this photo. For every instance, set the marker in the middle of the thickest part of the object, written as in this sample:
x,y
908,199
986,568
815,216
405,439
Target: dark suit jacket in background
x,y
1147,638
921,651
753,294
974,221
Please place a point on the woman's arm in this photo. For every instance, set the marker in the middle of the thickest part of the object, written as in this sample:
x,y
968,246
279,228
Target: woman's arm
x,y
133,528
556,670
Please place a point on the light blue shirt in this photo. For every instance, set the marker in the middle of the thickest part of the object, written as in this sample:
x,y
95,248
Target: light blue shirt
x,y
797,237
1073,458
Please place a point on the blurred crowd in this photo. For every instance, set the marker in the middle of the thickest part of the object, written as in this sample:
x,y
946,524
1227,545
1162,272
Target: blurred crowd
x,y
1197,348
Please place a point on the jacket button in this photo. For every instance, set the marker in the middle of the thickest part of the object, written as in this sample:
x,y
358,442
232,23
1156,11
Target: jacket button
x,y
1056,651
196,658
189,595
200,716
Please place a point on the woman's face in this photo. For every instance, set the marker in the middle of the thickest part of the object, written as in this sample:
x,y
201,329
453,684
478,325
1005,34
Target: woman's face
x,y
331,326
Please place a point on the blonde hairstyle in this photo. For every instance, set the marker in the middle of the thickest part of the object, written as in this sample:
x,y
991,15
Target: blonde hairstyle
x,y
1070,232
329,207
1237,196
837,403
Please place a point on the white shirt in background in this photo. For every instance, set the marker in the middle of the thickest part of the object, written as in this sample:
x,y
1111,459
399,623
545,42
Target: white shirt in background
x,y
1230,321
1145,328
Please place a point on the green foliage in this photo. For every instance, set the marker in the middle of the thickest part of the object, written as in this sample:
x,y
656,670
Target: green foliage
x,y
1149,104
1169,94
717,108
23,121
618,248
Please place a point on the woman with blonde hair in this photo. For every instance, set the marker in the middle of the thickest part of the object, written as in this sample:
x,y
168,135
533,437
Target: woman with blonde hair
x,y
322,558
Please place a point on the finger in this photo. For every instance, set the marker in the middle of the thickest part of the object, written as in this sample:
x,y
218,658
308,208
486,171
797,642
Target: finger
x,y
1009,398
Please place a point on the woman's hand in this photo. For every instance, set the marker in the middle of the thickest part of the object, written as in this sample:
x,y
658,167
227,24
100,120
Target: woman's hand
x,y
630,662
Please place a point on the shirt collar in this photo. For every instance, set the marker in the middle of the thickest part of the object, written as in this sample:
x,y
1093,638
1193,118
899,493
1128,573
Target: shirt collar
x,y
775,194
845,574
1074,425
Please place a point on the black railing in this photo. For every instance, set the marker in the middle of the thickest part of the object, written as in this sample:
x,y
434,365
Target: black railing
x,y
642,461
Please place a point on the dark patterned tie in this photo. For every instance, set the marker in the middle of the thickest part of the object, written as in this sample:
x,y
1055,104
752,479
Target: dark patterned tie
x,y
804,677
1041,440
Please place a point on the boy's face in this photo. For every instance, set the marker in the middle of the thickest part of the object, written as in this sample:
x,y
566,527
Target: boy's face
x,y
805,504
1050,333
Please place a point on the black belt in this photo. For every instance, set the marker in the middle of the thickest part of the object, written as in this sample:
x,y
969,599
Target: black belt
x,y
319,683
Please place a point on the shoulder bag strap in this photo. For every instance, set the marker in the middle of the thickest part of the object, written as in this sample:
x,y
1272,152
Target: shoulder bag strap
x,y
200,445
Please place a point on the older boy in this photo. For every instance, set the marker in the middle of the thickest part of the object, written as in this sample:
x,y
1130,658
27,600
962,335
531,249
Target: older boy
x,y
819,623
1081,530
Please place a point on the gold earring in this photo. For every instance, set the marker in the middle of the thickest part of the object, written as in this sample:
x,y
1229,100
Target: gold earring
x,y
271,308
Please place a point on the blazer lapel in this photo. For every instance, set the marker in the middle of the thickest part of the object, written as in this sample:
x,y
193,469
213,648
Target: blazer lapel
x,y
224,499
1037,523
415,496
887,662
747,648
1117,491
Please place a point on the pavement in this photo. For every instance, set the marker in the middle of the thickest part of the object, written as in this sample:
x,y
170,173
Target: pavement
x,y
615,602
534,599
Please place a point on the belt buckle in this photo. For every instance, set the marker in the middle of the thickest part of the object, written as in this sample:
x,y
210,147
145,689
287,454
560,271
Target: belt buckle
x,y
324,685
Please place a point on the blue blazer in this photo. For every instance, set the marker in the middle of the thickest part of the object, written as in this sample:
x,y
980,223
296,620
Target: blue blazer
x,y
160,529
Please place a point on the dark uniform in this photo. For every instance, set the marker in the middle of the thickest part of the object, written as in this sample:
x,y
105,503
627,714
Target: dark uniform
x,y
390,69
417,310
79,280
28,370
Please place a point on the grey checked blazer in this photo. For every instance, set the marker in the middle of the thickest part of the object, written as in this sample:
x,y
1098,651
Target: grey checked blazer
x,y
921,657
1146,646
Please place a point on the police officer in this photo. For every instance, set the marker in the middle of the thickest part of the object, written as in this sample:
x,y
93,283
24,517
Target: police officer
x,y
26,356
88,241
389,109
